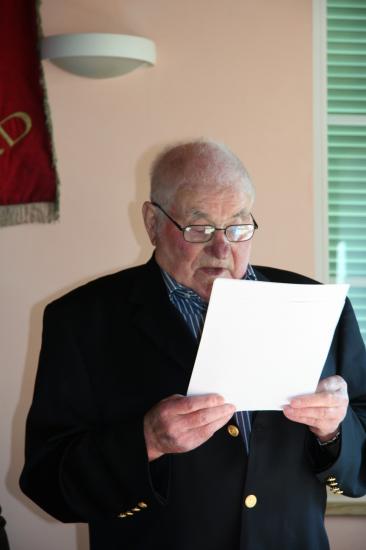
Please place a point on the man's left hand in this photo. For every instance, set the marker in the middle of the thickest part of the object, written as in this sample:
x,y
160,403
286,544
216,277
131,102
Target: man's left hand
x,y
322,411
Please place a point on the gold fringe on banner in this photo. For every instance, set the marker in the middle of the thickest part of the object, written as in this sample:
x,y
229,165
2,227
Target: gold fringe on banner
x,y
34,212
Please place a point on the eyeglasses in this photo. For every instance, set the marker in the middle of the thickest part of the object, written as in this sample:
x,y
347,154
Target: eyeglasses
x,y
204,233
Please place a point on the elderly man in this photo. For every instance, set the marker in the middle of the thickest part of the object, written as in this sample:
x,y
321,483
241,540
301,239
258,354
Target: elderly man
x,y
112,439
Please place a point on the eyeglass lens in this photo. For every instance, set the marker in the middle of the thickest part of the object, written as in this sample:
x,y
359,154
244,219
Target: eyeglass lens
x,y
203,233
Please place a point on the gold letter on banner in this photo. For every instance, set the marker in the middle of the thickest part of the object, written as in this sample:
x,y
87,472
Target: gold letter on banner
x,y
9,140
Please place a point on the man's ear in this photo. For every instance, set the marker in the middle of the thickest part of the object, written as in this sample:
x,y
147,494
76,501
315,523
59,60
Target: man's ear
x,y
149,215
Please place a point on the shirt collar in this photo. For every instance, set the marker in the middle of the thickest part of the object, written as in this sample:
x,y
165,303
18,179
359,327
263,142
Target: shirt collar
x,y
177,288
249,274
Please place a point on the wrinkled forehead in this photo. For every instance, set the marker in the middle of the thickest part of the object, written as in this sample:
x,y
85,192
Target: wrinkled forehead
x,y
227,200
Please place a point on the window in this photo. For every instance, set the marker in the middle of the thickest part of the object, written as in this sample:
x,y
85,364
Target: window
x,y
345,129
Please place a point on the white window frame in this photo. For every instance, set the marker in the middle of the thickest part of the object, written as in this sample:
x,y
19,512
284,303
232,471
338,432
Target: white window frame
x,y
320,144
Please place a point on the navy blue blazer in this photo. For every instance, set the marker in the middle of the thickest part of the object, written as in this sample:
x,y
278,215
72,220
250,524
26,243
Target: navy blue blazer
x,y
113,348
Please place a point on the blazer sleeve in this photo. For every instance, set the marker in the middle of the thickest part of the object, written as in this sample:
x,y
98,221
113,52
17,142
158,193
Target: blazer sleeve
x,y
348,472
77,468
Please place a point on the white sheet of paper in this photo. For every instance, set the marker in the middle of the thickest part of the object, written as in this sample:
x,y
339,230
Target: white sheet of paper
x,y
264,343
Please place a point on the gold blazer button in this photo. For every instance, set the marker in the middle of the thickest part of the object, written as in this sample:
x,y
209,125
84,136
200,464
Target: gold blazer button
x,y
233,430
250,501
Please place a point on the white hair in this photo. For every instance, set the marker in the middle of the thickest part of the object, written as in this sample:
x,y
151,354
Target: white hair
x,y
202,162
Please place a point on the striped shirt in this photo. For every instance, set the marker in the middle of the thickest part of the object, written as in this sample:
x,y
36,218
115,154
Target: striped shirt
x,y
193,310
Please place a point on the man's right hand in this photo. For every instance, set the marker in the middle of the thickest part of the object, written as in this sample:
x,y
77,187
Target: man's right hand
x,y
179,424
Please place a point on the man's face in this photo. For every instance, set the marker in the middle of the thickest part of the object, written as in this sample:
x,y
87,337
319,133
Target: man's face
x,y
197,265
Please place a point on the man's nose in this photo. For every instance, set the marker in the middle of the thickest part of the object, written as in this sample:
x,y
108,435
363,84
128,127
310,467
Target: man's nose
x,y
219,245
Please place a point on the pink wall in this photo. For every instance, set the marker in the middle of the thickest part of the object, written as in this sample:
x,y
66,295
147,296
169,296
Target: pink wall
x,y
240,73
237,71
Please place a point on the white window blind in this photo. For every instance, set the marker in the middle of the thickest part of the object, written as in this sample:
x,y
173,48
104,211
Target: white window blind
x,y
346,81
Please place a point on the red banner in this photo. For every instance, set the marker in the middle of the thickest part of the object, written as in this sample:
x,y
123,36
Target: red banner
x,y
28,178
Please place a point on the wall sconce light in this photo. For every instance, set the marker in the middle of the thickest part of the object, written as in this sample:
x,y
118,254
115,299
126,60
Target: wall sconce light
x,y
98,55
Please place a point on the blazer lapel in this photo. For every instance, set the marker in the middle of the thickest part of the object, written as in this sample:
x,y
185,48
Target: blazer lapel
x,y
159,319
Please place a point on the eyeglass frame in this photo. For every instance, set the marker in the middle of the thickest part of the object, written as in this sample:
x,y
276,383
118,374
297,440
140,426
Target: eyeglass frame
x,y
183,229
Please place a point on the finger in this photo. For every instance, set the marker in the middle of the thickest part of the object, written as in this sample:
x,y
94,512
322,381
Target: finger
x,y
173,397
180,440
196,437
320,414
310,422
332,384
185,405
203,417
323,399
208,430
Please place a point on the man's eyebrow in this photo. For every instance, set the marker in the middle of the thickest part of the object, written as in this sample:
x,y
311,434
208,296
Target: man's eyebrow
x,y
242,212
195,214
